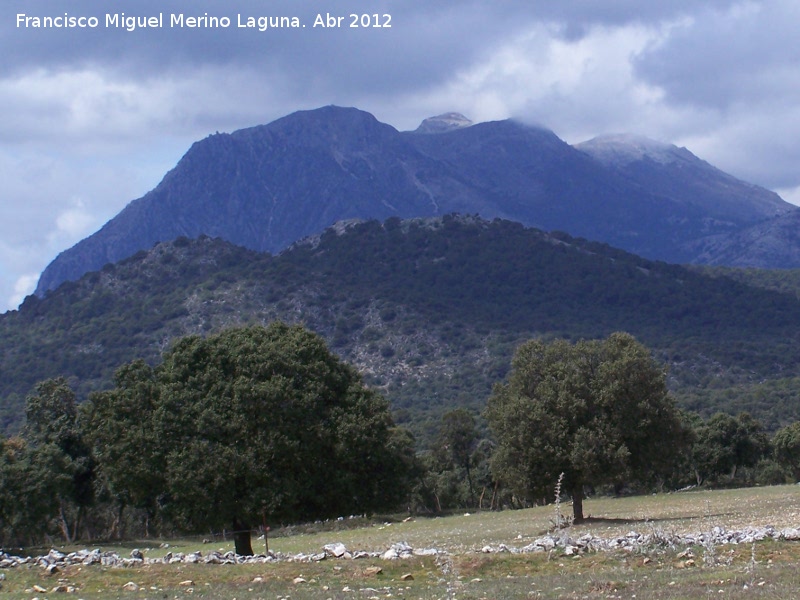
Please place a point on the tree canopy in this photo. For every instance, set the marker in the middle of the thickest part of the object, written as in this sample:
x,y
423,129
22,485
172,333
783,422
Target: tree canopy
x,y
58,451
724,443
252,423
787,448
597,411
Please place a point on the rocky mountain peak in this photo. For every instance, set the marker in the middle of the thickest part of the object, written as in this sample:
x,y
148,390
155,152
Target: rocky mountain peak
x,y
625,148
443,123
268,186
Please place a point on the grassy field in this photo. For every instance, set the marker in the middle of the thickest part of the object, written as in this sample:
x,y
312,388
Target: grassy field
x,y
768,569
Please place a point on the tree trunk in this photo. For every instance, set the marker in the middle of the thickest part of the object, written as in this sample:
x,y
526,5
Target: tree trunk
x,y
241,539
577,504
63,524
118,527
438,504
471,488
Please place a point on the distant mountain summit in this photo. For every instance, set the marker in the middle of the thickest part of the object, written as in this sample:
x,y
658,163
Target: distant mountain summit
x,y
267,186
625,148
442,123
676,173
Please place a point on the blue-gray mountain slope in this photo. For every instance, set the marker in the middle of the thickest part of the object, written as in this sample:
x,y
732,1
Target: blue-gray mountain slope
x,y
268,186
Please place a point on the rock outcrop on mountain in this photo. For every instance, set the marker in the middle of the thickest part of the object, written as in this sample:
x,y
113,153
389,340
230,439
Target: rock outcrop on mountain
x,y
265,187
443,123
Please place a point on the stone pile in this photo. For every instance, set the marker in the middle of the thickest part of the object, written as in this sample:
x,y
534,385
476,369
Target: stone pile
x,y
636,541
561,542
55,560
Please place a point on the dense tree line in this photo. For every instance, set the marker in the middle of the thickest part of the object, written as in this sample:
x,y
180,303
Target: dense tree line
x,y
260,425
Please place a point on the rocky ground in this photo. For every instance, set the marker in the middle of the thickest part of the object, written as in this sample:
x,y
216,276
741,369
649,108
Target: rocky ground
x,y
561,542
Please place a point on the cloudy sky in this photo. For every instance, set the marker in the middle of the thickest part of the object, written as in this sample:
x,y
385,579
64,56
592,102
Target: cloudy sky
x,y
94,117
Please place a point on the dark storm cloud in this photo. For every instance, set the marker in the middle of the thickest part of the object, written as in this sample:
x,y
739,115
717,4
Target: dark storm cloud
x,y
721,58
426,40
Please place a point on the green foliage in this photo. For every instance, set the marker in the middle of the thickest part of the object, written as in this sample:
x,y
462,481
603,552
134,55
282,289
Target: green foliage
x,y
597,411
118,425
27,503
458,436
50,414
724,444
59,455
249,424
769,472
786,443
786,281
451,465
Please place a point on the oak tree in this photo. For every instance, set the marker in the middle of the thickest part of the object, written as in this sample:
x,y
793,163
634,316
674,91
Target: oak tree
x,y
250,424
597,411
118,423
60,453
787,448
723,444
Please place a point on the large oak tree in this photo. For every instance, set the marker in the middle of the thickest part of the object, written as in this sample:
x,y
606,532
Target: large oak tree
x,y
596,411
251,424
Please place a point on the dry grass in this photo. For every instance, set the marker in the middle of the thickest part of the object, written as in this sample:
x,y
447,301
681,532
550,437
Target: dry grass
x,y
766,570
683,512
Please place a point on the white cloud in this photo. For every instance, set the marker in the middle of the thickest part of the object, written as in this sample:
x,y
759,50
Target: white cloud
x,y
23,287
76,221
579,87
790,194
51,199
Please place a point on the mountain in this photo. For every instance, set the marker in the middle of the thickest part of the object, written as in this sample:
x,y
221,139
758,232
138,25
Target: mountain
x,y
430,310
774,243
678,174
268,186
442,123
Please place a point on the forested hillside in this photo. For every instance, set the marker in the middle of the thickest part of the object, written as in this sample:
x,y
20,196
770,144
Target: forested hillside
x,y
429,310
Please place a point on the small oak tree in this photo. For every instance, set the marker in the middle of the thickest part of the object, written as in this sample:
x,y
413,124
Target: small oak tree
x,y
60,453
787,448
118,424
597,411
453,452
725,443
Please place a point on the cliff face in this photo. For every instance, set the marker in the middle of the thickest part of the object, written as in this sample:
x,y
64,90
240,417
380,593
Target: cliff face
x,y
268,186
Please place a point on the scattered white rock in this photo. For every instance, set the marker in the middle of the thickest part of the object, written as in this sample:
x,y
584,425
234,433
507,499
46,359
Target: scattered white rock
x,y
56,561
337,550
790,534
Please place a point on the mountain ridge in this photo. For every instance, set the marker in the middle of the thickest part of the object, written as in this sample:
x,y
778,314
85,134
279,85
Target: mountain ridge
x,y
266,186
